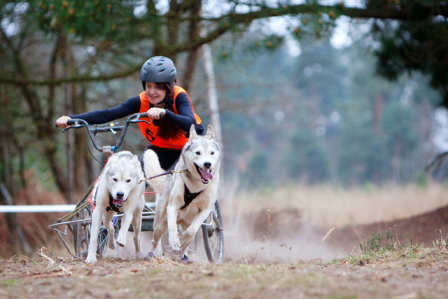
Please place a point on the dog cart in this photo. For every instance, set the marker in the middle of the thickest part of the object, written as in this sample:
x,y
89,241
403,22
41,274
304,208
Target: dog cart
x,y
74,228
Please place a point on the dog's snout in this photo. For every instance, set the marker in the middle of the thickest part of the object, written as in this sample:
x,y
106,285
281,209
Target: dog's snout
x,y
207,165
120,194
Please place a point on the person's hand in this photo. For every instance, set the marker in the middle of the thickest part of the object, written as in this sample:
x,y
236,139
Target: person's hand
x,y
62,121
156,113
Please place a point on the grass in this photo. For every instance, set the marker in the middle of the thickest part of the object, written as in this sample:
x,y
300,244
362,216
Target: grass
x,y
330,206
385,248
7,283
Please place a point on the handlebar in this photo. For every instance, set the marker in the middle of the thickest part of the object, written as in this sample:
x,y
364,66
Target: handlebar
x,y
112,127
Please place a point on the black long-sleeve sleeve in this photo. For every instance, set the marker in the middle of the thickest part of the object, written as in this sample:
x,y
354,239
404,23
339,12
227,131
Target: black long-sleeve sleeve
x,y
131,106
184,119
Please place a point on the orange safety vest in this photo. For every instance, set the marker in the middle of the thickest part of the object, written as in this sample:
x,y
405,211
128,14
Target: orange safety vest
x,y
150,131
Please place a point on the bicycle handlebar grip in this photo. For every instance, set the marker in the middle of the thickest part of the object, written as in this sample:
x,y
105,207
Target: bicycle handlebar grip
x,y
71,122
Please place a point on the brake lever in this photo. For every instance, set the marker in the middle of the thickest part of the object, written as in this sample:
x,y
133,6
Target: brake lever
x,y
72,127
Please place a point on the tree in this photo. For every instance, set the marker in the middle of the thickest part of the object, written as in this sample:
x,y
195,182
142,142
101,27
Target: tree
x,y
112,41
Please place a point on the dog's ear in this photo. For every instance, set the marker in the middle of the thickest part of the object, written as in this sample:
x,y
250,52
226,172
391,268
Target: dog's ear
x,y
113,159
193,134
210,132
135,160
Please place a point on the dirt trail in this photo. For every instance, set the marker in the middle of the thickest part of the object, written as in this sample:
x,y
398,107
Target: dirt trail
x,y
111,278
269,255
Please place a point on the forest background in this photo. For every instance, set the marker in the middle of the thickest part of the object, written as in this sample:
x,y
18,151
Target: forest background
x,y
295,109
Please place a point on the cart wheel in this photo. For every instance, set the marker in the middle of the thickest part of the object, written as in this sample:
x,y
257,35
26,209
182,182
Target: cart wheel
x,y
213,236
81,232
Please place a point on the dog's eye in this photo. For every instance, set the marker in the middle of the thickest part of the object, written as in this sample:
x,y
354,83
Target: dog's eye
x,y
198,153
127,181
115,180
212,153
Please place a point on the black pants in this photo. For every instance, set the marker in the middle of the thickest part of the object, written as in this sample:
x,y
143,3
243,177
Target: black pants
x,y
167,157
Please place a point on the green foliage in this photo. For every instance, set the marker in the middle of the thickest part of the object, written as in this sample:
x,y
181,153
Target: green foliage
x,y
379,243
258,173
308,157
110,20
319,74
415,46
397,122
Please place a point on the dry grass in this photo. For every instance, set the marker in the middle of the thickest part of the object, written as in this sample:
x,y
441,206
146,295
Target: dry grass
x,y
328,206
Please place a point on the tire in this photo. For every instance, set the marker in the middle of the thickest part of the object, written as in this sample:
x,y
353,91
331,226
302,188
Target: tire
x,y
213,237
81,232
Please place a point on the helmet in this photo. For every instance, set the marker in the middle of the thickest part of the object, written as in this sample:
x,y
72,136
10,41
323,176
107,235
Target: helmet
x,y
158,69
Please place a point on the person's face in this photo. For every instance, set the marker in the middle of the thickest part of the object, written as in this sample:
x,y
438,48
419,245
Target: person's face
x,y
155,94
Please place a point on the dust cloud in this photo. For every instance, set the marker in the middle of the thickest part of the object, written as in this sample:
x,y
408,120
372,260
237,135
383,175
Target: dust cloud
x,y
262,236
250,238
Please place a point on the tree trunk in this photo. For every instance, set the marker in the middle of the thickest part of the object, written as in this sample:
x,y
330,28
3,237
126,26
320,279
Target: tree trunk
x,y
212,94
69,141
43,123
194,34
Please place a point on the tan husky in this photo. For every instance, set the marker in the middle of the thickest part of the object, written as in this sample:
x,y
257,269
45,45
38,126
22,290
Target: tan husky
x,y
189,194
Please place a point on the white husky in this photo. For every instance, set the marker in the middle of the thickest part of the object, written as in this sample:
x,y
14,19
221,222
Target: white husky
x,y
118,190
189,194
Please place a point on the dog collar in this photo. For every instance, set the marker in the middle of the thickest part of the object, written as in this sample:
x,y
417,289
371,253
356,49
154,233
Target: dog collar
x,y
111,206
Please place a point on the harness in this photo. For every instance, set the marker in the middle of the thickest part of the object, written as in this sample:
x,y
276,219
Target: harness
x,y
189,197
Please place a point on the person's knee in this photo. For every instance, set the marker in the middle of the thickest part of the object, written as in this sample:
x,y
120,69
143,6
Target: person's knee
x,y
150,162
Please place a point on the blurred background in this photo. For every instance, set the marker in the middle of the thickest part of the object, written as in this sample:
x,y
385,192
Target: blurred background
x,y
329,110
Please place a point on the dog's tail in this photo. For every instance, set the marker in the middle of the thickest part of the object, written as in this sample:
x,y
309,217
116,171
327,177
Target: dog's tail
x,y
151,167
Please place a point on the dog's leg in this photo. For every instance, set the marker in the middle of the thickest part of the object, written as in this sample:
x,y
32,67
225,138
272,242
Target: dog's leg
x,y
137,225
125,223
188,235
95,229
160,228
110,229
173,234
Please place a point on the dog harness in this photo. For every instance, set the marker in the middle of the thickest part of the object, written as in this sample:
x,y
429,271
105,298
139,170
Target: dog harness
x,y
150,131
189,197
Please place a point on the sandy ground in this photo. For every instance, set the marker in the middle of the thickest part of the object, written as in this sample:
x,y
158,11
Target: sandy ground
x,y
403,278
271,251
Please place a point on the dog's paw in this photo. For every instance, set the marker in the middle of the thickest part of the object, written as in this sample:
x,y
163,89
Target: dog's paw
x,y
91,259
150,257
185,259
121,241
111,244
174,243
140,255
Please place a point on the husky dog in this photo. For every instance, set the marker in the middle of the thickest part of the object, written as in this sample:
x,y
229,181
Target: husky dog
x,y
189,194
118,190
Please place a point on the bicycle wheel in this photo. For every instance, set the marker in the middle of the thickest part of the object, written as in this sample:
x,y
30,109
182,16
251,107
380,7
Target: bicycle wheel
x,y
212,232
81,232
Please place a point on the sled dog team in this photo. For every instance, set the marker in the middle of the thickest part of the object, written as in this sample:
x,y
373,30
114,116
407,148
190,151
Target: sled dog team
x,y
188,197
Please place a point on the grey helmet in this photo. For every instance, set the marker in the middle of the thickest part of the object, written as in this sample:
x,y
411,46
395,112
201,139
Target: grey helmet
x,y
158,69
